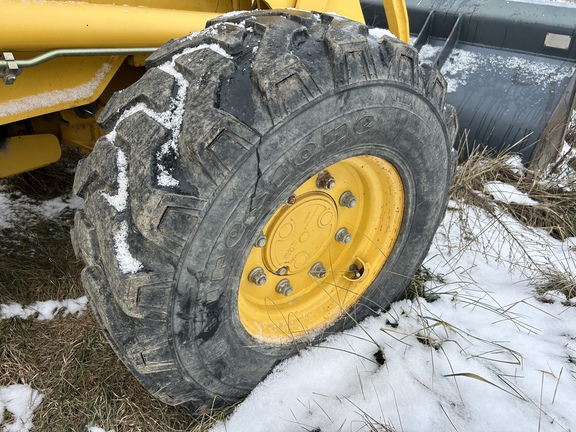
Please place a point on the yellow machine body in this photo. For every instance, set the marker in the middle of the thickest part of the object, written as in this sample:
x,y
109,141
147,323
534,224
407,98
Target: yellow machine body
x,y
68,87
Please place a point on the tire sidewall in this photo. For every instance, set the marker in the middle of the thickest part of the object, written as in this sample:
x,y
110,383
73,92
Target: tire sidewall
x,y
377,118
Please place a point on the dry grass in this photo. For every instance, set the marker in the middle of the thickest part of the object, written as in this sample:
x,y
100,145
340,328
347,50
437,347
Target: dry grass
x,y
551,282
83,382
556,209
417,287
67,359
38,262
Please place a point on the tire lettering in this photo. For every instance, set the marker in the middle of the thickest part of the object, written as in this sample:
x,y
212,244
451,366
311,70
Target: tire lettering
x,y
219,270
364,124
234,235
305,153
280,175
335,135
405,99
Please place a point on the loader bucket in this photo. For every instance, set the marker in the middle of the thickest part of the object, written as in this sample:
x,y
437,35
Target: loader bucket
x,y
510,67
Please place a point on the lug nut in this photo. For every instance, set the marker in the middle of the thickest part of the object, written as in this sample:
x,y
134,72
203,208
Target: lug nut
x,y
283,287
325,181
260,241
291,200
343,236
257,276
282,271
347,199
318,270
357,272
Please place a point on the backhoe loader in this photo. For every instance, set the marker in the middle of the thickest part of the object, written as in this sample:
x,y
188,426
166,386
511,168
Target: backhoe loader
x,y
262,175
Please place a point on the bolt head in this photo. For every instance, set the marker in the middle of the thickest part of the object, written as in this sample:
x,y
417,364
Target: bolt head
x,y
282,271
260,241
318,270
325,181
343,236
347,199
291,200
354,269
283,287
257,276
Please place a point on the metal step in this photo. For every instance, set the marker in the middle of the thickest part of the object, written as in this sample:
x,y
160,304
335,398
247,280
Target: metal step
x,y
510,68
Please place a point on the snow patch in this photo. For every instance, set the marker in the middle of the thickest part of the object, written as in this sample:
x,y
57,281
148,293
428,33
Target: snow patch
x,y
120,200
16,207
91,428
126,262
515,164
53,98
44,310
507,193
214,47
462,63
20,401
379,33
562,174
428,53
458,68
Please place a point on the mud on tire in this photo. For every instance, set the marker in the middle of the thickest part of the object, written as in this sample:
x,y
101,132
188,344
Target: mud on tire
x,y
206,149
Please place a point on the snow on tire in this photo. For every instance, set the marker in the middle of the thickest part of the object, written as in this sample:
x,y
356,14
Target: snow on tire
x,y
249,164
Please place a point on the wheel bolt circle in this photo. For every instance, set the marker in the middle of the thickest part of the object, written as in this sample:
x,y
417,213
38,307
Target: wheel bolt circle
x,y
343,236
347,199
283,287
257,276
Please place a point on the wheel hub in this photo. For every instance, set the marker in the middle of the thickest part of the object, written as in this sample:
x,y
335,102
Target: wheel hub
x,y
321,250
298,234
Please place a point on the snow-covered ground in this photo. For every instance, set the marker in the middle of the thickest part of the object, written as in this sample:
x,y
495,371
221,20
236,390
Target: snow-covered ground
x,y
19,401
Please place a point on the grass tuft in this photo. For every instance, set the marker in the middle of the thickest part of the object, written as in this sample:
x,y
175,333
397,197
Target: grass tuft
x,y
551,282
556,208
418,285
83,382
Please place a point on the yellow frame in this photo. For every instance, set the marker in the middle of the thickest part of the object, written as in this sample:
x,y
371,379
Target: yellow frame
x,y
33,27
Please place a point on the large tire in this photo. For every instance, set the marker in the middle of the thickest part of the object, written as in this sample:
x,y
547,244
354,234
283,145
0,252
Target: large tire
x,y
203,156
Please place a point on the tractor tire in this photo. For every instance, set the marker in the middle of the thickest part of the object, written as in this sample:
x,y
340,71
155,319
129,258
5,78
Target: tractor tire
x,y
270,180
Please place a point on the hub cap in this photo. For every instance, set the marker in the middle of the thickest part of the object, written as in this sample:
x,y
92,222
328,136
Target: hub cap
x,y
305,234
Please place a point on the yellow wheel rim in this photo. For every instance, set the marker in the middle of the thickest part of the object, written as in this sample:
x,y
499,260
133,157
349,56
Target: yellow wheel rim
x,y
321,250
